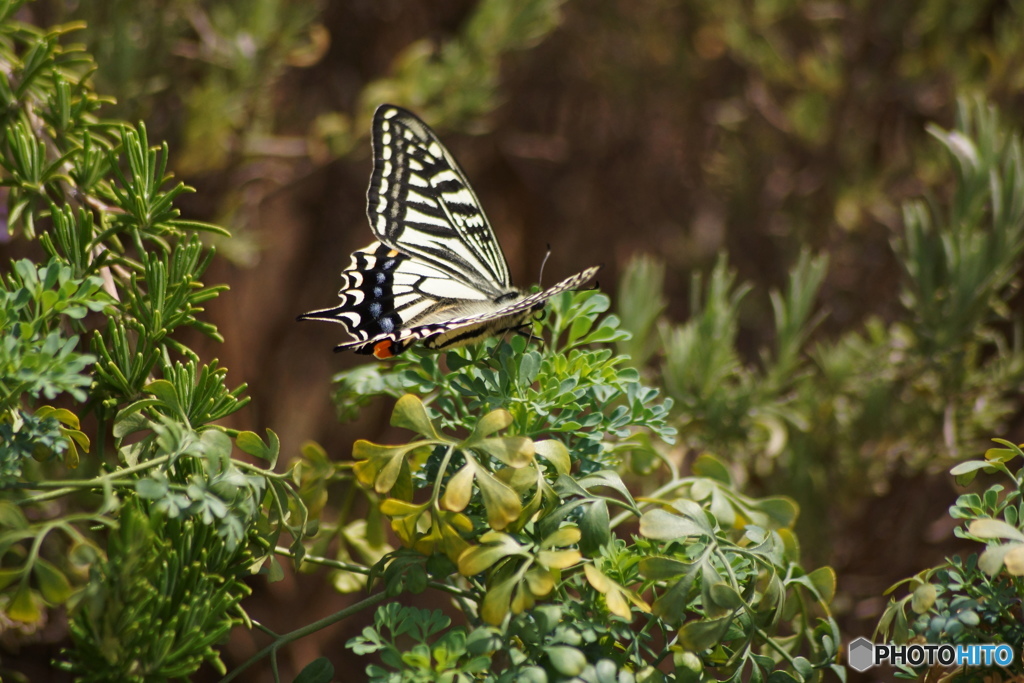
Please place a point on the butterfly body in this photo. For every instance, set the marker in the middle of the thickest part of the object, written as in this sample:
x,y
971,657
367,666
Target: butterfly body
x,y
436,274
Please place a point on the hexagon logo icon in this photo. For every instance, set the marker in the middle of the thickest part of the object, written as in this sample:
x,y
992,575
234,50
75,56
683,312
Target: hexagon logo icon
x,y
861,654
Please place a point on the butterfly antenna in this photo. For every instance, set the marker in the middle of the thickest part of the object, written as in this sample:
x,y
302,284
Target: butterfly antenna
x,y
547,255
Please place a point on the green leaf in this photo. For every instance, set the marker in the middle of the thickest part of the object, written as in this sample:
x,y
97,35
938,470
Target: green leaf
x,y
725,596
707,465
595,528
251,443
781,510
662,568
566,660
697,636
165,393
130,419
53,585
11,516
824,580
275,572
320,670
664,526
606,478
151,488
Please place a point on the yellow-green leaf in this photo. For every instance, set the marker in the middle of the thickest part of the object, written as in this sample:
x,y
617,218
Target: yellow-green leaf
x,y
24,607
554,452
924,598
596,578
479,558
500,501
459,489
514,451
567,535
379,465
53,585
490,423
495,604
451,542
559,559
617,604
697,636
411,414
991,561
540,581
62,415
1014,561
522,600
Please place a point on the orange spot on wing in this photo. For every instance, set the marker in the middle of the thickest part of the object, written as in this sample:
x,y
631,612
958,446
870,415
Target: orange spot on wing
x,y
393,253
382,349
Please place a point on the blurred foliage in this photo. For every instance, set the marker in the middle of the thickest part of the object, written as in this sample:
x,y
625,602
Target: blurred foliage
x,y
843,416
518,528
214,64
822,115
972,600
148,549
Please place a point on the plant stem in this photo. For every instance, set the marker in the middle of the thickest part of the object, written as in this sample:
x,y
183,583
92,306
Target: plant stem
x,y
286,638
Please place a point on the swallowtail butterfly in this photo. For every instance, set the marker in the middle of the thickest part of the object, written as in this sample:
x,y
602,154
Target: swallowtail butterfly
x,y
436,274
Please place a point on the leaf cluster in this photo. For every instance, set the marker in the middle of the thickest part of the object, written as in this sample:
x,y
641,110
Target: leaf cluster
x,y
148,548
974,599
816,417
505,498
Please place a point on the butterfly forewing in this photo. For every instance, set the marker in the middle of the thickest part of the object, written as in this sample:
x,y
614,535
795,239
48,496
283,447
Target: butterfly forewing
x,y
437,275
419,201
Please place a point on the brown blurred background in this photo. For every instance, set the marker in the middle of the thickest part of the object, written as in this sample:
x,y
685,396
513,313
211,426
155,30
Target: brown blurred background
x,y
604,128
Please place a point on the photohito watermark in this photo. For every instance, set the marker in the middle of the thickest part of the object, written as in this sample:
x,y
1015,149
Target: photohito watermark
x,y
863,654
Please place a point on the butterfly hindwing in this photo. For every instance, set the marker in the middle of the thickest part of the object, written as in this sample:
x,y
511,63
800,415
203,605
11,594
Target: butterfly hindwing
x,y
436,275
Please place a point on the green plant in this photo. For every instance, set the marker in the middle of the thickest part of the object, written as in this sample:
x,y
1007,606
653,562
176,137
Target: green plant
x,y
973,600
527,523
819,418
163,522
